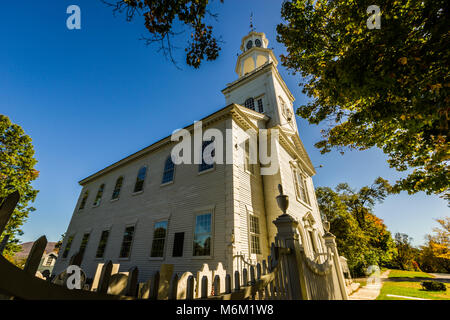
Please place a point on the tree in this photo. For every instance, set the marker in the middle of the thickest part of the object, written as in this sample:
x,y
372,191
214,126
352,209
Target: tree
x,y
162,16
435,255
385,88
16,173
59,243
406,253
361,237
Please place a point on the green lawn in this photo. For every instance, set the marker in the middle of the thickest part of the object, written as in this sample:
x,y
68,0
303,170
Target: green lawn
x,y
407,283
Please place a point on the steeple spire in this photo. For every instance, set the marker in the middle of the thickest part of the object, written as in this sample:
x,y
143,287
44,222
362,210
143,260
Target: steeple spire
x,y
252,28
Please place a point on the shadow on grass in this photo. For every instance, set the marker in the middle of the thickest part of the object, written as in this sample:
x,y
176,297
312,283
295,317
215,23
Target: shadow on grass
x,y
415,279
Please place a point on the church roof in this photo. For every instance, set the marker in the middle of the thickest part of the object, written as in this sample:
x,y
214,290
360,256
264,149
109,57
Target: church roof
x,y
231,110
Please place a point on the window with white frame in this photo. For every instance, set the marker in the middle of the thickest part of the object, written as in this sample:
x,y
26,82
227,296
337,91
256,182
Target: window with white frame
x,y
301,185
68,245
117,188
140,179
202,235
159,239
254,234
169,169
83,201
83,244
205,166
127,242
102,244
99,195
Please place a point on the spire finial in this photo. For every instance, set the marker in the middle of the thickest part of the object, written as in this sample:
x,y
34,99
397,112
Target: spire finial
x,y
252,28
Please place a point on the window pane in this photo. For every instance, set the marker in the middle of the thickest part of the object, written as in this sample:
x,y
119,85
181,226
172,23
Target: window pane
x,y
250,103
254,224
117,188
83,201
254,234
169,169
102,244
67,248
140,179
98,198
260,106
159,237
84,243
204,166
202,235
126,242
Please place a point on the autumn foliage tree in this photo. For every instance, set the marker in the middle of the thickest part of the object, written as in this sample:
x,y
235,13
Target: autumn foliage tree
x,y
435,254
361,237
16,173
385,88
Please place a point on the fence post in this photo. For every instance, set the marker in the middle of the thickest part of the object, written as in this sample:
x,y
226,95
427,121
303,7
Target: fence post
x,y
296,286
330,242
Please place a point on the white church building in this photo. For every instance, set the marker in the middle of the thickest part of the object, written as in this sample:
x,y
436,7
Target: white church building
x,y
146,211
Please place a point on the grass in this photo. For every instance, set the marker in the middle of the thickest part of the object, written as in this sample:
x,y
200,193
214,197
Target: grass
x,y
407,283
408,274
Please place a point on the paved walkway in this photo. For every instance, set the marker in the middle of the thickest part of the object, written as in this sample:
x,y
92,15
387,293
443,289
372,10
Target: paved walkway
x,y
443,277
370,291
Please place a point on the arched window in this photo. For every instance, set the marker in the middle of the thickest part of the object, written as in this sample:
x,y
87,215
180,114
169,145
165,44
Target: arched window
x,y
98,197
83,201
204,165
250,103
139,186
117,188
169,169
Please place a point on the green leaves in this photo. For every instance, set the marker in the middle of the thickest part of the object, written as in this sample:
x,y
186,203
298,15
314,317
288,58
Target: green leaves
x,y
361,237
385,88
161,17
16,173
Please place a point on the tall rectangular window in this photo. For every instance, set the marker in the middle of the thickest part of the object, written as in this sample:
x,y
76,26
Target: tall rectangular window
x,y
83,200
178,244
202,235
169,169
126,242
301,186
140,179
159,238
98,197
102,244
254,235
117,188
84,243
205,166
68,245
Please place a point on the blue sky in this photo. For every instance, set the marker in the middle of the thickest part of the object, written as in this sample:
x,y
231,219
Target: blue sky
x,y
90,97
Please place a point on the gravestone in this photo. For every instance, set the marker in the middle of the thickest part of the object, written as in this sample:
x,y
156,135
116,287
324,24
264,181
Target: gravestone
x,y
165,275
118,284
182,285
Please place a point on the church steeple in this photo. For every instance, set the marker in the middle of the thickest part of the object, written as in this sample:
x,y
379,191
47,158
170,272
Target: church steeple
x,y
259,86
254,53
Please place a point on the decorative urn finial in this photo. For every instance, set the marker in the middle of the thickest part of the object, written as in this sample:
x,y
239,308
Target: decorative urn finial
x,y
282,200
